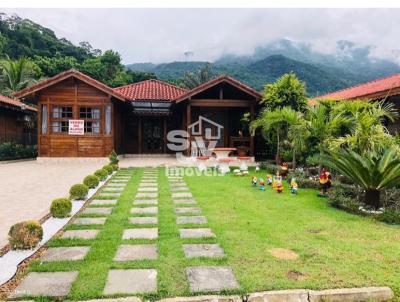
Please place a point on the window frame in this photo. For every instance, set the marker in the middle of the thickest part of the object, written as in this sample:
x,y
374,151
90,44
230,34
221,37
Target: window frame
x,y
60,119
92,120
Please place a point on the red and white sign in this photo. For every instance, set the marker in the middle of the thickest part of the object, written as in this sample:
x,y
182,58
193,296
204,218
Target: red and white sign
x,y
76,127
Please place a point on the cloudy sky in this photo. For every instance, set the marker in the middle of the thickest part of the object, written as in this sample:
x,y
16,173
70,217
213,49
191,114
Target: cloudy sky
x,y
161,35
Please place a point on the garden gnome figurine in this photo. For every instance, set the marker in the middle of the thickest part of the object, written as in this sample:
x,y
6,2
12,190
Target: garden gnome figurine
x,y
254,181
324,181
277,177
279,186
269,179
293,186
284,169
262,184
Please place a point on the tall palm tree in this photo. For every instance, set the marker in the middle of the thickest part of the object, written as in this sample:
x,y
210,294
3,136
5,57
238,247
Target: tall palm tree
x,y
191,80
373,171
15,75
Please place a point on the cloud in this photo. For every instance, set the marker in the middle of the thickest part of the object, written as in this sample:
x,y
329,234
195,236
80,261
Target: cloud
x,y
161,35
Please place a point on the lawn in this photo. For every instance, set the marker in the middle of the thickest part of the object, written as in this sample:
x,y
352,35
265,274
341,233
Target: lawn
x,y
335,249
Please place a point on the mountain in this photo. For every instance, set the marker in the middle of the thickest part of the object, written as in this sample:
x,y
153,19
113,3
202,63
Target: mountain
x,y
349,64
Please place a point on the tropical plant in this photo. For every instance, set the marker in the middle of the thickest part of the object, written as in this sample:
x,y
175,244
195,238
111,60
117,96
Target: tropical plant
x,y
191,80
287,91
373,172
16,75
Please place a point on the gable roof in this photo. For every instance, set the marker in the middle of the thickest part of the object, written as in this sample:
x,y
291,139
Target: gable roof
x,y
4,100
217,80
373,89
150,90
65,75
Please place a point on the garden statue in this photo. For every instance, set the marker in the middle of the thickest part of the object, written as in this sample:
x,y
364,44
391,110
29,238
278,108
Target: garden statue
x,y
269,179
277,177
279,186
325,182
293,186
257,167
262,184
237,172
254,181
284,169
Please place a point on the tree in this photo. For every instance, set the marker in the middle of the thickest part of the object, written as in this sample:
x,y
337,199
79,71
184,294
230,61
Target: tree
x,y
16,75
287,91
50,66
284,122
191,80
373,171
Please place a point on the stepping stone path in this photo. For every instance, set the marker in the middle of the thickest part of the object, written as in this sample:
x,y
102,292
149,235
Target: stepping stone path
x,y
145,233
145,201
72,253
148,210
80,234
108,194
143,220
147,195
148,189
97,211
56,284
191,220
131,281
90,221
102,202
201,278
134,252
211,278
203,250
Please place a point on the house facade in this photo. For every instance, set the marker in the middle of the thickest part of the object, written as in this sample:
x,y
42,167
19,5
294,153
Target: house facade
x,y
81,117
17,122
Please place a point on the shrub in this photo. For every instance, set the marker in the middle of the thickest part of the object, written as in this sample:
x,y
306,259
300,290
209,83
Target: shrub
x,y
101,174
25,235
109,169
114,158
11,150
78,191
271,168
390,216
114,166
60,207
91,181
345,197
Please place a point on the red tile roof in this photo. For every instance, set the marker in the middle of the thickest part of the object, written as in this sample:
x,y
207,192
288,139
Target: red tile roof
x,y
15,103
213,82
375,89
150,90
65,75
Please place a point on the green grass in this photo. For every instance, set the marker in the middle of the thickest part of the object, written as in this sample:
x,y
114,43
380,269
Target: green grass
x,y
336,249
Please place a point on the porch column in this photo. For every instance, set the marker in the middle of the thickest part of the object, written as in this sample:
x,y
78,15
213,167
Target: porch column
x,y
188,122
251,136
140,141
165,135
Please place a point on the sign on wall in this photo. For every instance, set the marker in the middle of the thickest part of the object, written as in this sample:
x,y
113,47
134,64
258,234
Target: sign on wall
x,y
76,127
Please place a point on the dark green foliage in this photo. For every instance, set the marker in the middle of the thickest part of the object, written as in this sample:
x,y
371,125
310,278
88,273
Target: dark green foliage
x,y
345,197
11,150
61,207
25,235
101,174
390,216
114,166
91,181
113,158
109,169
78,191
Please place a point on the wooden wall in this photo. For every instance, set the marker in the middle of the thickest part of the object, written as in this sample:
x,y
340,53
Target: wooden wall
x,y
12,127
75,93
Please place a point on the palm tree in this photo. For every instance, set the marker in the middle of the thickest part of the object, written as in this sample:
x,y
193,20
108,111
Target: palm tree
x,y
324,125
16,75
373,171
191,80
284,122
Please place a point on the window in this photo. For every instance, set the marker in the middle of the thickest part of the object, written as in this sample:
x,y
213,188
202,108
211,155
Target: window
x,y
91,116
89,113
60,116
60,126
62,112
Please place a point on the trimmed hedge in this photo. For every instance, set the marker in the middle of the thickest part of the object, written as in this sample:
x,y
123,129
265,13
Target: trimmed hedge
x,y
11,150
91,181
61,207
101,174
109,169
114,166
25,235
78,191
113,158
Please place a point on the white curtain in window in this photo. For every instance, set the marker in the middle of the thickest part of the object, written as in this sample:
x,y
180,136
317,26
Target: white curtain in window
x,y
44,119
108,120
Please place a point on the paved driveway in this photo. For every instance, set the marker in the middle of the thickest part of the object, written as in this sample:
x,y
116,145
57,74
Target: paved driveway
x,y
27,188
